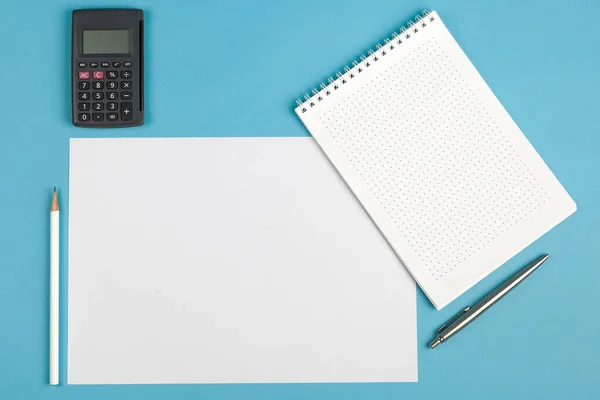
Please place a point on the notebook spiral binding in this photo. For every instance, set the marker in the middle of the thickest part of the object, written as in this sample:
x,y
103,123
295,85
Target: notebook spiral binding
x,y
324,90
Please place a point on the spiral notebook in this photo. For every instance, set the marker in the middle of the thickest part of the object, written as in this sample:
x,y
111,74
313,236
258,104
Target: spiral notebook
x,y
434,158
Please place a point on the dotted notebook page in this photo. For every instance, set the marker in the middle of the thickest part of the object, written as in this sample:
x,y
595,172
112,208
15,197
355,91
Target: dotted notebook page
x,y
437,162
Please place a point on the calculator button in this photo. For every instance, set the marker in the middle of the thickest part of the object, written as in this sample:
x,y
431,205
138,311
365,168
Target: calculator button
x,y
83,85
126,111
84,106
112,75
111,95
84,74
98,116
104,64
112,116
84,95
116,64
126,85
82,64
97,95
127,64
98,85
98,74
112,106
84,116
112,85
98,106
125,74
93,64
126,95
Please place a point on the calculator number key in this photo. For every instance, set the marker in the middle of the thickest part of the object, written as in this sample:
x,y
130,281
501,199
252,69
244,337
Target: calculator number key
x,y
98,96
84,117
111,85
111,95
112,106
83,95
98,106
84,85
84,106
98,85
127,111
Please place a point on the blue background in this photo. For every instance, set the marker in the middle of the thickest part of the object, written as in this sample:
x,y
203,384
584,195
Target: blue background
x,y
235,68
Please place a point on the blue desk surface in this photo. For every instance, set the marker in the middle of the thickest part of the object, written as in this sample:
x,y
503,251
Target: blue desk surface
x,y
235,68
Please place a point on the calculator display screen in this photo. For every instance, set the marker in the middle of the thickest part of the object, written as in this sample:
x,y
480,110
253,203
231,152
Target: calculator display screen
x,y
113,41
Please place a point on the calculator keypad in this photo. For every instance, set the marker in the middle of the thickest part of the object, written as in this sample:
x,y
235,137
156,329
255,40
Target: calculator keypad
x,y
102,94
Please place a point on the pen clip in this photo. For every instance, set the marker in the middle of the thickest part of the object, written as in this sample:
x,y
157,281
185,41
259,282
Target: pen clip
x,y
451,320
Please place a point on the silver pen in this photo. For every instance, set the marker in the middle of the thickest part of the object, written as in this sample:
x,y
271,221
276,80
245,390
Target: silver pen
x,y
469,314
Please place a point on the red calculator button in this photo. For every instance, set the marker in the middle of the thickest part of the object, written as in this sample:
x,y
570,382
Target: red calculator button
x,y
84,75
98,74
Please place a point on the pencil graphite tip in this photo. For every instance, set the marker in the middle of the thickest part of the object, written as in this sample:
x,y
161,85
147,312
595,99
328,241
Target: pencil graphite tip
x,y
54,200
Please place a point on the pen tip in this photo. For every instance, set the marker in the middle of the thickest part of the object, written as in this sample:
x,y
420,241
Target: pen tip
x,y
54,189
435,343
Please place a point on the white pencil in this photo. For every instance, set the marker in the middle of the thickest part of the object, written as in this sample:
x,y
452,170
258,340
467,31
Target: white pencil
x,y
54,232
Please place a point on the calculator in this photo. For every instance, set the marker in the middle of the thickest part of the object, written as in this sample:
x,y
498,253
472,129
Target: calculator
x,y
108,68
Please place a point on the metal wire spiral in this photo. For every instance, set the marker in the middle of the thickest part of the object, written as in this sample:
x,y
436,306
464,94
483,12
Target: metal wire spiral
x,y
397,38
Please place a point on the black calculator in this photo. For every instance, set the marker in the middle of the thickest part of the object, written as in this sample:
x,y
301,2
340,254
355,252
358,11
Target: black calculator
x,y
108,69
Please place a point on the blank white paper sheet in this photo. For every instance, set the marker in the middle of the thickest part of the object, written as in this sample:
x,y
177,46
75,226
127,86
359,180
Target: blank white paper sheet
x,y
230,260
